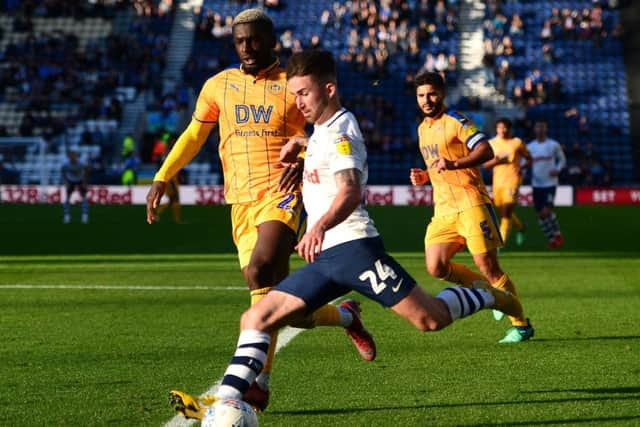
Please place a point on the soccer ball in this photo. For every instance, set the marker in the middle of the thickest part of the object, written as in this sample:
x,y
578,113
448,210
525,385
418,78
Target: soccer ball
x,y
230,413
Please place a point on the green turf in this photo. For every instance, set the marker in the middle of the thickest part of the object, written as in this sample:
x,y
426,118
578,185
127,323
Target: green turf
x,y
89,347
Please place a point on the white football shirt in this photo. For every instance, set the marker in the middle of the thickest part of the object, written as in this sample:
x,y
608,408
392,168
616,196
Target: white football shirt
x,y
335,145
546,156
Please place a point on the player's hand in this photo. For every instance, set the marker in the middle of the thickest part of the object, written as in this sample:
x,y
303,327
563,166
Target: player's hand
x,y
289,152
418,176
311,243
153,199
442,164
291,176
554,172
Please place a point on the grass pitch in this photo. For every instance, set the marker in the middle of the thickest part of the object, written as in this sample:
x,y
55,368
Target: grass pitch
x,y
99,321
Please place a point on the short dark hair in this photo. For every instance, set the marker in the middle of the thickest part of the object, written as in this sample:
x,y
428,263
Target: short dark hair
x,y
430,78
317,63
506,122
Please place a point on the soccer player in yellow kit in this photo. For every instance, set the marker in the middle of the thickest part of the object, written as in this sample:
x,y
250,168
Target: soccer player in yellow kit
x,y
453,149
256,116
507,165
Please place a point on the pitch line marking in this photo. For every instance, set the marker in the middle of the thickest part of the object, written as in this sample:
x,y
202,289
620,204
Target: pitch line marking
x,y
285,336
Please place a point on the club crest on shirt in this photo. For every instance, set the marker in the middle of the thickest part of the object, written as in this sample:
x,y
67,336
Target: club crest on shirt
x,y
275,88
343,145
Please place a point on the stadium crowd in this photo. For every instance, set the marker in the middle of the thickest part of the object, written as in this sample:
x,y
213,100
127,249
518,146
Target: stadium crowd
x,y
60,81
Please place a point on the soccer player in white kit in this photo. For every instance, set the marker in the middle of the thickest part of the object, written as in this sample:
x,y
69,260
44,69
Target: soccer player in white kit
x,y
548,160
75,174
342,246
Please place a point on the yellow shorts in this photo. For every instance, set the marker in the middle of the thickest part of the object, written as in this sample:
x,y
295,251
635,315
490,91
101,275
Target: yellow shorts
x,y
246,217
505,195
477,227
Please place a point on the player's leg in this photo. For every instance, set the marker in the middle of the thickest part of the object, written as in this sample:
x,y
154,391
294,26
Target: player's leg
x,y
85,203
292,300
66,207
543,199
429,313
442,242
479,227
267,266
250,355
519,226
377,275
506,220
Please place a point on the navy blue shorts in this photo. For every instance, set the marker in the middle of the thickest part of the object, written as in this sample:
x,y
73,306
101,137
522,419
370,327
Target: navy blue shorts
x,y
543,197
360,265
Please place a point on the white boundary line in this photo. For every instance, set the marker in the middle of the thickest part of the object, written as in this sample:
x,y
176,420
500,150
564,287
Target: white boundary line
x,y
129,287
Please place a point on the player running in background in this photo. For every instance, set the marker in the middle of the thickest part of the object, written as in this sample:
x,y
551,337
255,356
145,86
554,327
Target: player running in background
x,y
507,167
342,245
75,174
256,116
548,160
453,149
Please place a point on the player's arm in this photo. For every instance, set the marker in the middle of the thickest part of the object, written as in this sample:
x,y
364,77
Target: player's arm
x,y
497,160
524,152
480,153
561,160
348,197
292,160
184,150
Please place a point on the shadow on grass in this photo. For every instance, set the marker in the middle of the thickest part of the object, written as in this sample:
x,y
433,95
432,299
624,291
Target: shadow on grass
x,y
579,338
571,400
615,390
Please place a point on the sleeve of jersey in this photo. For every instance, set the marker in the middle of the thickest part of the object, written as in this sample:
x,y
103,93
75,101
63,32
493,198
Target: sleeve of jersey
x,y
344,155
184,150
472,136
207,110
560,157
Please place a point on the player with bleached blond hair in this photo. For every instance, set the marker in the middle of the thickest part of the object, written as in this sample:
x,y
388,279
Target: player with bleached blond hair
x,y
256,116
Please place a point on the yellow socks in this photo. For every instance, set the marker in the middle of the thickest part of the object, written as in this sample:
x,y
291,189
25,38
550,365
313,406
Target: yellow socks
x,y
517,223
505,227
462,275
327,315
505,284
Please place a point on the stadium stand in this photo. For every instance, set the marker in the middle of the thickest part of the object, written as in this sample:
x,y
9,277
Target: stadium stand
x,y
68,67
562,61
100,57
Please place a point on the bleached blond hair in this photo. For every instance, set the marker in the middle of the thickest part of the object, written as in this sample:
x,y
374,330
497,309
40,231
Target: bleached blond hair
x,y
252,15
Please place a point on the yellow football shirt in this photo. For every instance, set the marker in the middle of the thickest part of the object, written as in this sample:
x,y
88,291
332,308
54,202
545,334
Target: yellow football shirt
x,y
508,174
452,135
256,115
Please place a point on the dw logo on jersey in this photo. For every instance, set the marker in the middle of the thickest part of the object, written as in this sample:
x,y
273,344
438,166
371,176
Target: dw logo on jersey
x,y
343,145
429,151
256,112
275,88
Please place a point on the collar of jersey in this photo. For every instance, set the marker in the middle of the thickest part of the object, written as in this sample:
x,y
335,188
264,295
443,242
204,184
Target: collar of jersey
x,y
263,73
432,120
